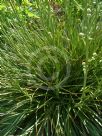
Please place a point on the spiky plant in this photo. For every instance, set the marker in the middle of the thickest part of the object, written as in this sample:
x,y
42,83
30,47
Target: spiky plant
x,y
51,74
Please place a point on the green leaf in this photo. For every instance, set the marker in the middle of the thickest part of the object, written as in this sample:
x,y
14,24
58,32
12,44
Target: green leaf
x,y
19,2
30,14
10,123
2,7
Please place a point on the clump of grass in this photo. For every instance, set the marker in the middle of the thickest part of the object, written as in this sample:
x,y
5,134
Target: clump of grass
x,y
50,74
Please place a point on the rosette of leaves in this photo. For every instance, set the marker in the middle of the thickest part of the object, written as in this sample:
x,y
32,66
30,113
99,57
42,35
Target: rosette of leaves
x,y
44,88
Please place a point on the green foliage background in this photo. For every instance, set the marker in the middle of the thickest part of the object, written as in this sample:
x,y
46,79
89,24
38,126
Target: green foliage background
x,y
50,68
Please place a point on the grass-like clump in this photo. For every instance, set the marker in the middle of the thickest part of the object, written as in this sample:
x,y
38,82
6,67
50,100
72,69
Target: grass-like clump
x,y
51,68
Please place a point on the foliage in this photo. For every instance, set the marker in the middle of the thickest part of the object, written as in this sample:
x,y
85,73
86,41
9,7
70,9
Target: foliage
x,y
51,68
